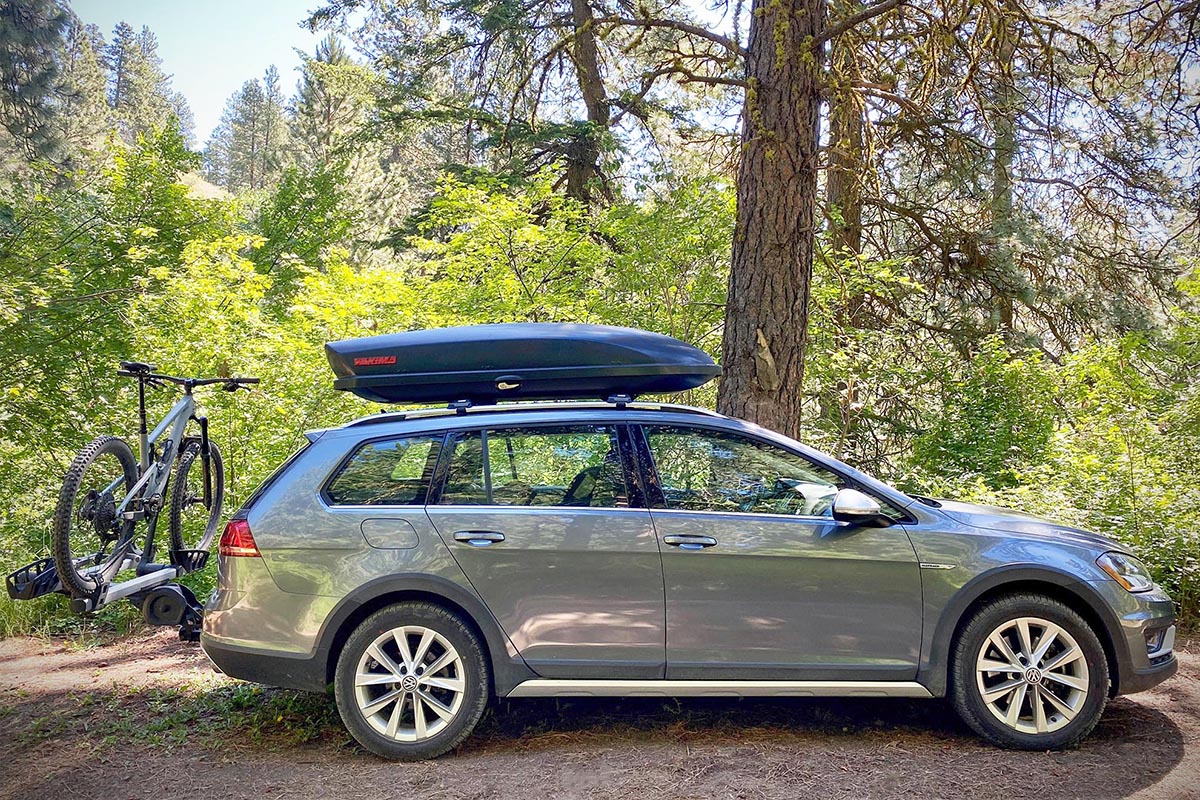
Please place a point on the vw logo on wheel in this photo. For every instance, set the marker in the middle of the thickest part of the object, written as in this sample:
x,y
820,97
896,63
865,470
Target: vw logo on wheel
x,y
1033,675
409,684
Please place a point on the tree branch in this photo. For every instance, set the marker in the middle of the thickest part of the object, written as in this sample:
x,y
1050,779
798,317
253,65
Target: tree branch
x,y
676,25
854,19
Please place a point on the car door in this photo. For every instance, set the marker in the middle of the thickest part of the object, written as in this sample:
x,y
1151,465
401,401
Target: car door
x,y
761,582
545,525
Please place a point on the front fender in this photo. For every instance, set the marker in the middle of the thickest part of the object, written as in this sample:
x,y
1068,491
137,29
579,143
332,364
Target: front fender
x,y
933,672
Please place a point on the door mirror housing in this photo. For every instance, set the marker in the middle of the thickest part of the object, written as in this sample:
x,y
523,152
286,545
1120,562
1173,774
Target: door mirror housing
x,y
855,508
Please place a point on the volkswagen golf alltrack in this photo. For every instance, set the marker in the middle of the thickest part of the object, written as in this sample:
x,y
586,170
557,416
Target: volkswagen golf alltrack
x,y
423,562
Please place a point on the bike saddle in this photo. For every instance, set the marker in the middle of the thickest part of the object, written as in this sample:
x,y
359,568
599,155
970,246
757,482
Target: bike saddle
x,y
137,367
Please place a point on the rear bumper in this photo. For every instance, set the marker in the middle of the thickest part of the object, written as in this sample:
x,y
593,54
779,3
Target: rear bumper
x,y
264,666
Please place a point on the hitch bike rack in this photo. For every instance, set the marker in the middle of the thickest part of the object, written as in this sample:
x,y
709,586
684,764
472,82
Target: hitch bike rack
x,y
161,601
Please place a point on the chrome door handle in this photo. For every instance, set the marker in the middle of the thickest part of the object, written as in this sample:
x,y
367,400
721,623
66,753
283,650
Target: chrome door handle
x,y
686,542
478,538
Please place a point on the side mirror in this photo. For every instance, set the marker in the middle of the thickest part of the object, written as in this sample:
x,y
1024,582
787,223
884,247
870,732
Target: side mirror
x,y
854,507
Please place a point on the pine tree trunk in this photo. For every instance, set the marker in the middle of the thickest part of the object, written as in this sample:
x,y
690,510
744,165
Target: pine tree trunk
x,y
585,150
1003,119
766,316
843,184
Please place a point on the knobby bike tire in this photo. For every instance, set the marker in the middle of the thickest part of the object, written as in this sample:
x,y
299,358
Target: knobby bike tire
x,y
189,459
75,582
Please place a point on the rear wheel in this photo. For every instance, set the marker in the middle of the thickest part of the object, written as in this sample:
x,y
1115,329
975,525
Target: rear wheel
x,y
87,528
195,513
411,682
1030,674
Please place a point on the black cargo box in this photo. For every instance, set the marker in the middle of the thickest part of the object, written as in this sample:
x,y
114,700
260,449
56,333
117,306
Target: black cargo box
x,y
516,361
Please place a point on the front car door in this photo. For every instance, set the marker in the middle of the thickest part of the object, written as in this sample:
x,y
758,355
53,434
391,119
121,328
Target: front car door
x,y
761,582
545,523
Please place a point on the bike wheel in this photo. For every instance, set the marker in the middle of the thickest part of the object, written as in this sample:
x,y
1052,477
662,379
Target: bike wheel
x,y
193,520
87,529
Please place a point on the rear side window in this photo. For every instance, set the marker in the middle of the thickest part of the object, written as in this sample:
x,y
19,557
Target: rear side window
x,y
394,472
570,466
272,478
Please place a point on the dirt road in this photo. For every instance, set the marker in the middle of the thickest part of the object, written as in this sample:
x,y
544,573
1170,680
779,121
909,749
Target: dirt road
x,y
145,717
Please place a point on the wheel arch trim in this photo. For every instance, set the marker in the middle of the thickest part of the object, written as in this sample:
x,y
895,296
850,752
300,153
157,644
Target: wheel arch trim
x,y
507,670
935,670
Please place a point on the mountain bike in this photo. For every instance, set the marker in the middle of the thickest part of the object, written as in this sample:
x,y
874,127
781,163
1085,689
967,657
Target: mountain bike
x,y
107,492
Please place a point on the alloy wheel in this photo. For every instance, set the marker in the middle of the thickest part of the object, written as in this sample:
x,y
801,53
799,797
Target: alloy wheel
x,y
410,683
1032,675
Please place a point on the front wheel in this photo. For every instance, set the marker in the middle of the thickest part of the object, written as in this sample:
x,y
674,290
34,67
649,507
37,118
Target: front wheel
x,y
87,529
411,681
196,500
1030,673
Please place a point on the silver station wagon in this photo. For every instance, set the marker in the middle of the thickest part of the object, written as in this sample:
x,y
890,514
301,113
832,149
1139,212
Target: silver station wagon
x,y
424,562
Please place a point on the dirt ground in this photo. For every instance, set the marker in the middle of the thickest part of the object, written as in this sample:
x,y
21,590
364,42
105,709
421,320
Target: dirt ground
x,y
145,717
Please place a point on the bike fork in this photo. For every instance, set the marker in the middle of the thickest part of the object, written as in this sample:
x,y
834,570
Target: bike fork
x,y
206,461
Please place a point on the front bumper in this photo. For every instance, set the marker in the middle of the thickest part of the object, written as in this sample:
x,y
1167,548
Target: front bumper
x,y
1144,639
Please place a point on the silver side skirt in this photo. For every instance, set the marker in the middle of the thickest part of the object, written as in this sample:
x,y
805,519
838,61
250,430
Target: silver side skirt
x,y
545,687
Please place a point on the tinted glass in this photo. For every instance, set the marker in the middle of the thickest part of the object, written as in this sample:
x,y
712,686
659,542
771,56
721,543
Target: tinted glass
x,y
576,466
702,470
389,473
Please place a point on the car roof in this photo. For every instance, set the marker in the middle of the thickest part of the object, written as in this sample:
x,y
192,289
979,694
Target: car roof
x,y
542,409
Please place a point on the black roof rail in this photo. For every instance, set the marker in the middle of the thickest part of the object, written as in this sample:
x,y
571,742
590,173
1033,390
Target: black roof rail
x,y
457,409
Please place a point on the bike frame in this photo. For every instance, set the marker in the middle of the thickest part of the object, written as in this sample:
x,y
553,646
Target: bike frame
x,y
153,476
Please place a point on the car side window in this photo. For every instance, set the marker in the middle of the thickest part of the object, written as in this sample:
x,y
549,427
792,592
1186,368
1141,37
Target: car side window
x,y
575,466
703,470
395,472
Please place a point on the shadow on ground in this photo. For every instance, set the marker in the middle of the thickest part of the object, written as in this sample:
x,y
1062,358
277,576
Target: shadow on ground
x,y
242,740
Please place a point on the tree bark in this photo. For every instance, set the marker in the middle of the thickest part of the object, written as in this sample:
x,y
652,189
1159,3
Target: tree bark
x,y
843,182
766,316
1003,119
585,150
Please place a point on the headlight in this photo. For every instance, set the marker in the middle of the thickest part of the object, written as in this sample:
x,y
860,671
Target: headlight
x,y
1127,571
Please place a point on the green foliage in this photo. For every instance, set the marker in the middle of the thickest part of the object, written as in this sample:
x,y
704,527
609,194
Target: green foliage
x,y
531,254
304,217
247,149
140,93
996,420
31,31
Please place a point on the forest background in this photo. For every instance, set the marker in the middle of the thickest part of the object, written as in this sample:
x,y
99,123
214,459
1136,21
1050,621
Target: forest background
x,y
953,243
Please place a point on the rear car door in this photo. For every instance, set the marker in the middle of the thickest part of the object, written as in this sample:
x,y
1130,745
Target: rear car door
x,y
545,523
761,582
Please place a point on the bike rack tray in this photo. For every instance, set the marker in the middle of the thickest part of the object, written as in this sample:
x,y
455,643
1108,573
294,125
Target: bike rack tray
x,y
189,560
159,574
33,580
171,604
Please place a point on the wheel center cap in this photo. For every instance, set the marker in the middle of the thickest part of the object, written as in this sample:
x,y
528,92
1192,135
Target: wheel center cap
x,y
409,684
1033,675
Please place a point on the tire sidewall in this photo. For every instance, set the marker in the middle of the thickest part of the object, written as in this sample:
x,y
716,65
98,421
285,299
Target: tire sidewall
x,y
187,460
475,673
965,691
64,512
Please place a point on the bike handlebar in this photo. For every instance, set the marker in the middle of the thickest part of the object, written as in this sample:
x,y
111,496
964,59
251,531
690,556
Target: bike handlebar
x,y
230,384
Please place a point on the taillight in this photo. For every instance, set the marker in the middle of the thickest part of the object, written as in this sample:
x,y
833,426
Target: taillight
x,y
237,540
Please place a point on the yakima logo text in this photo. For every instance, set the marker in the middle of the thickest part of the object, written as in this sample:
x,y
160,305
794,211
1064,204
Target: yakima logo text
x,y
374,361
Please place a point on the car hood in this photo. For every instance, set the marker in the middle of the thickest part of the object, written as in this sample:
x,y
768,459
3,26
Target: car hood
x,y
1004,519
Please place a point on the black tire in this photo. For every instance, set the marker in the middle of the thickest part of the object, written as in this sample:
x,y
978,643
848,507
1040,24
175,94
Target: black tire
x,y
965,678
474,675
86,530
192,523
